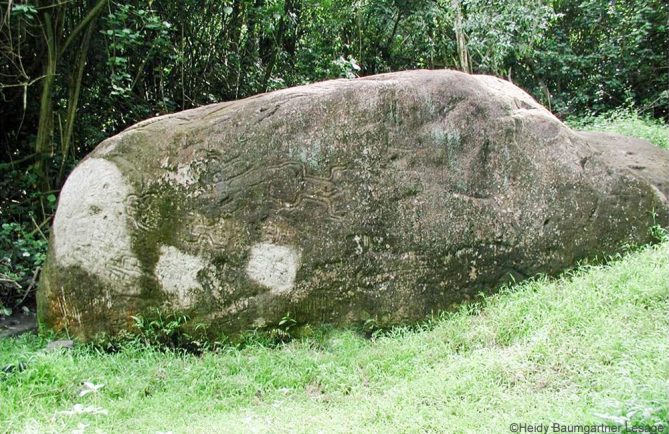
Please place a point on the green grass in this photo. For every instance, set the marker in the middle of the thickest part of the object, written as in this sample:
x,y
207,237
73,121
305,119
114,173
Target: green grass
x,y
590,347
627,122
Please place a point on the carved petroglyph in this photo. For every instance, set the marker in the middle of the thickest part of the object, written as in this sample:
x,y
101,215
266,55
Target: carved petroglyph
x,y
139,210
91,224
126,268
384,197
218,109
321,191
227,181
210,234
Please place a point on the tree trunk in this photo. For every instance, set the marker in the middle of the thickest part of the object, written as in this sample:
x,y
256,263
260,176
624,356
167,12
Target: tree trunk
x,y
53,22
43,142
73,98
460,37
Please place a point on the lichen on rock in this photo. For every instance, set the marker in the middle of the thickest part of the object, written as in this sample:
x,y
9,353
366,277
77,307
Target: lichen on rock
x,y
386,198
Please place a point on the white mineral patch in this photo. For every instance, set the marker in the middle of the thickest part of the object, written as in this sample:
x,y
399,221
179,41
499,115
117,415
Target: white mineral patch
x,y
177,273
183,176
273,266
91,225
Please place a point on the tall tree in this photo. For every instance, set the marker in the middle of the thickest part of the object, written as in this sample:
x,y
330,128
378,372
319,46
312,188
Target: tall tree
x,y
61,24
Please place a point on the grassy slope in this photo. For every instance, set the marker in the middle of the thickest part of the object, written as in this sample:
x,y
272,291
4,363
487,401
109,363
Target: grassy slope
x,y
627,122
572,350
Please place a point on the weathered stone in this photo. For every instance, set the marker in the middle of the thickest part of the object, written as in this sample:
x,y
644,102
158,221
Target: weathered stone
x,y
63,344
382,198
643,159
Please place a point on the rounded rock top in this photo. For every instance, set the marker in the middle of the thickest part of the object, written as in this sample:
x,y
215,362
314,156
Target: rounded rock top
x,y
387,197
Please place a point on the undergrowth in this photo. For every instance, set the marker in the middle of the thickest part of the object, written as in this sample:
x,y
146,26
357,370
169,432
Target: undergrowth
x,y
625,121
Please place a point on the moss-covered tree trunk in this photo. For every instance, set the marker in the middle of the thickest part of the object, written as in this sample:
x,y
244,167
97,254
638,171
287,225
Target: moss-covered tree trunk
x,y
43,142
57,40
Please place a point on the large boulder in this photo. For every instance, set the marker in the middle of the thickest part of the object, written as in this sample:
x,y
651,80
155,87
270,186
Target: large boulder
x,y
384,198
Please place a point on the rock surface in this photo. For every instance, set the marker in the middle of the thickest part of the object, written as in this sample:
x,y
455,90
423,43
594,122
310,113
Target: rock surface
x,y
643,159
62,344
385,198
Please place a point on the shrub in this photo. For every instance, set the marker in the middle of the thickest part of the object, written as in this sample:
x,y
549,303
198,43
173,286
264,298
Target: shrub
x,y
628,122
22,253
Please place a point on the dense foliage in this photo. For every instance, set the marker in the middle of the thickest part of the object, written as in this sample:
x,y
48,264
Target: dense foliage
x,y
75,72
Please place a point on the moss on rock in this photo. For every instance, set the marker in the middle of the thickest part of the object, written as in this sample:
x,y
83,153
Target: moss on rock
x,y
383,199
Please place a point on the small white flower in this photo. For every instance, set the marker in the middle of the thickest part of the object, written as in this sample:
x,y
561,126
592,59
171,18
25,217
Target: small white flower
x,y
90,388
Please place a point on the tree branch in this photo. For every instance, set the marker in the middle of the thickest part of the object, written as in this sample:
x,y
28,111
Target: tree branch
x,y
85,22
